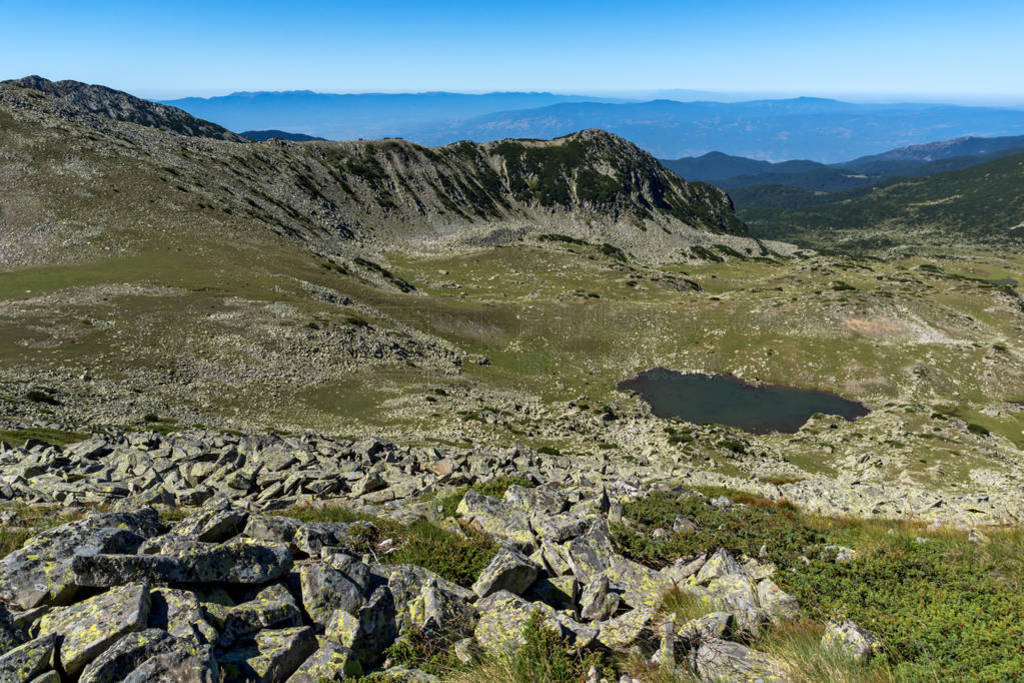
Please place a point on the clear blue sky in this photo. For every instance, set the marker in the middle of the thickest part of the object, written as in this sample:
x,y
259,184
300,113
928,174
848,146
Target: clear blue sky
x,y
895,49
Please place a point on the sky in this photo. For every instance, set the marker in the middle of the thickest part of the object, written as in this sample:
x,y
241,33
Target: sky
x,y
897,50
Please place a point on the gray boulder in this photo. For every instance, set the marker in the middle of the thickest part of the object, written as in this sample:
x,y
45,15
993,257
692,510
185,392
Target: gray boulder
x,y
214,524
597,602
591,554
88,628
331,662
723,660
274,656
28,660
126,654
342,582
240,561
178,666
508,570
40,573
273,607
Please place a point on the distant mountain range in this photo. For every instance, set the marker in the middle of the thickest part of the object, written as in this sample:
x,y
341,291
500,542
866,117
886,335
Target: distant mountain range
x,y
791,184
824,130
368,116
264,135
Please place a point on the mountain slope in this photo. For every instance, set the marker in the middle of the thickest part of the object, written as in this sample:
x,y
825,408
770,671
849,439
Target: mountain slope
x,y
114,104
935,151
977,205
342,196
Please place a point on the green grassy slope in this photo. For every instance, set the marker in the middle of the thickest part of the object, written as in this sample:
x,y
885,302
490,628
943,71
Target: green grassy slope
x,y
978,205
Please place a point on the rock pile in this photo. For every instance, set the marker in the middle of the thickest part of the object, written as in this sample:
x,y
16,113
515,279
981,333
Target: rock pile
x,y
233,594
186,470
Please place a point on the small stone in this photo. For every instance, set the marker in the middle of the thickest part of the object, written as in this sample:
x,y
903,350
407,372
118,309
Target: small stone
x,y
852,640
596,602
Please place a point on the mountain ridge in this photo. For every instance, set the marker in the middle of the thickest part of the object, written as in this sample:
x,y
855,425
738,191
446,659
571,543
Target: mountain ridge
x,y
114,104
335,196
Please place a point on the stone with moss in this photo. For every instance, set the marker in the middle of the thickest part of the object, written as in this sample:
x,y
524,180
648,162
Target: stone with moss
x,y
274,655
723,660
330,662
41,572
28,660
89,627
273,607
508,570
341,582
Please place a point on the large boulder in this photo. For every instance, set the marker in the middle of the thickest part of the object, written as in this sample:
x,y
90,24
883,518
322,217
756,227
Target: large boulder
x,y
778,604
40,573
637,627
215,523
502,619
508,570
88,628
331,662
177,666
491,516
180,613
341,582
591,553
127,653
638,585
241,561
425,600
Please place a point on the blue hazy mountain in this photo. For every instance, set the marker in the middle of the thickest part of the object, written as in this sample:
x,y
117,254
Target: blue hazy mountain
x,y
348,117
264,135
822,130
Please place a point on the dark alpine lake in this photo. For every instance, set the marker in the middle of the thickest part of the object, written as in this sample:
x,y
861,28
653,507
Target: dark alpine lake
x,y
728,400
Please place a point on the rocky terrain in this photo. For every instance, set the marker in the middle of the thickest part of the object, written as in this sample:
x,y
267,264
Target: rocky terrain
x,y
230,592
329,411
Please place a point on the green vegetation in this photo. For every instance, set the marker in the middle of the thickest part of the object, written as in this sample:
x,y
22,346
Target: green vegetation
x,y
458,557
494,487
976,205
944,606
54,437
